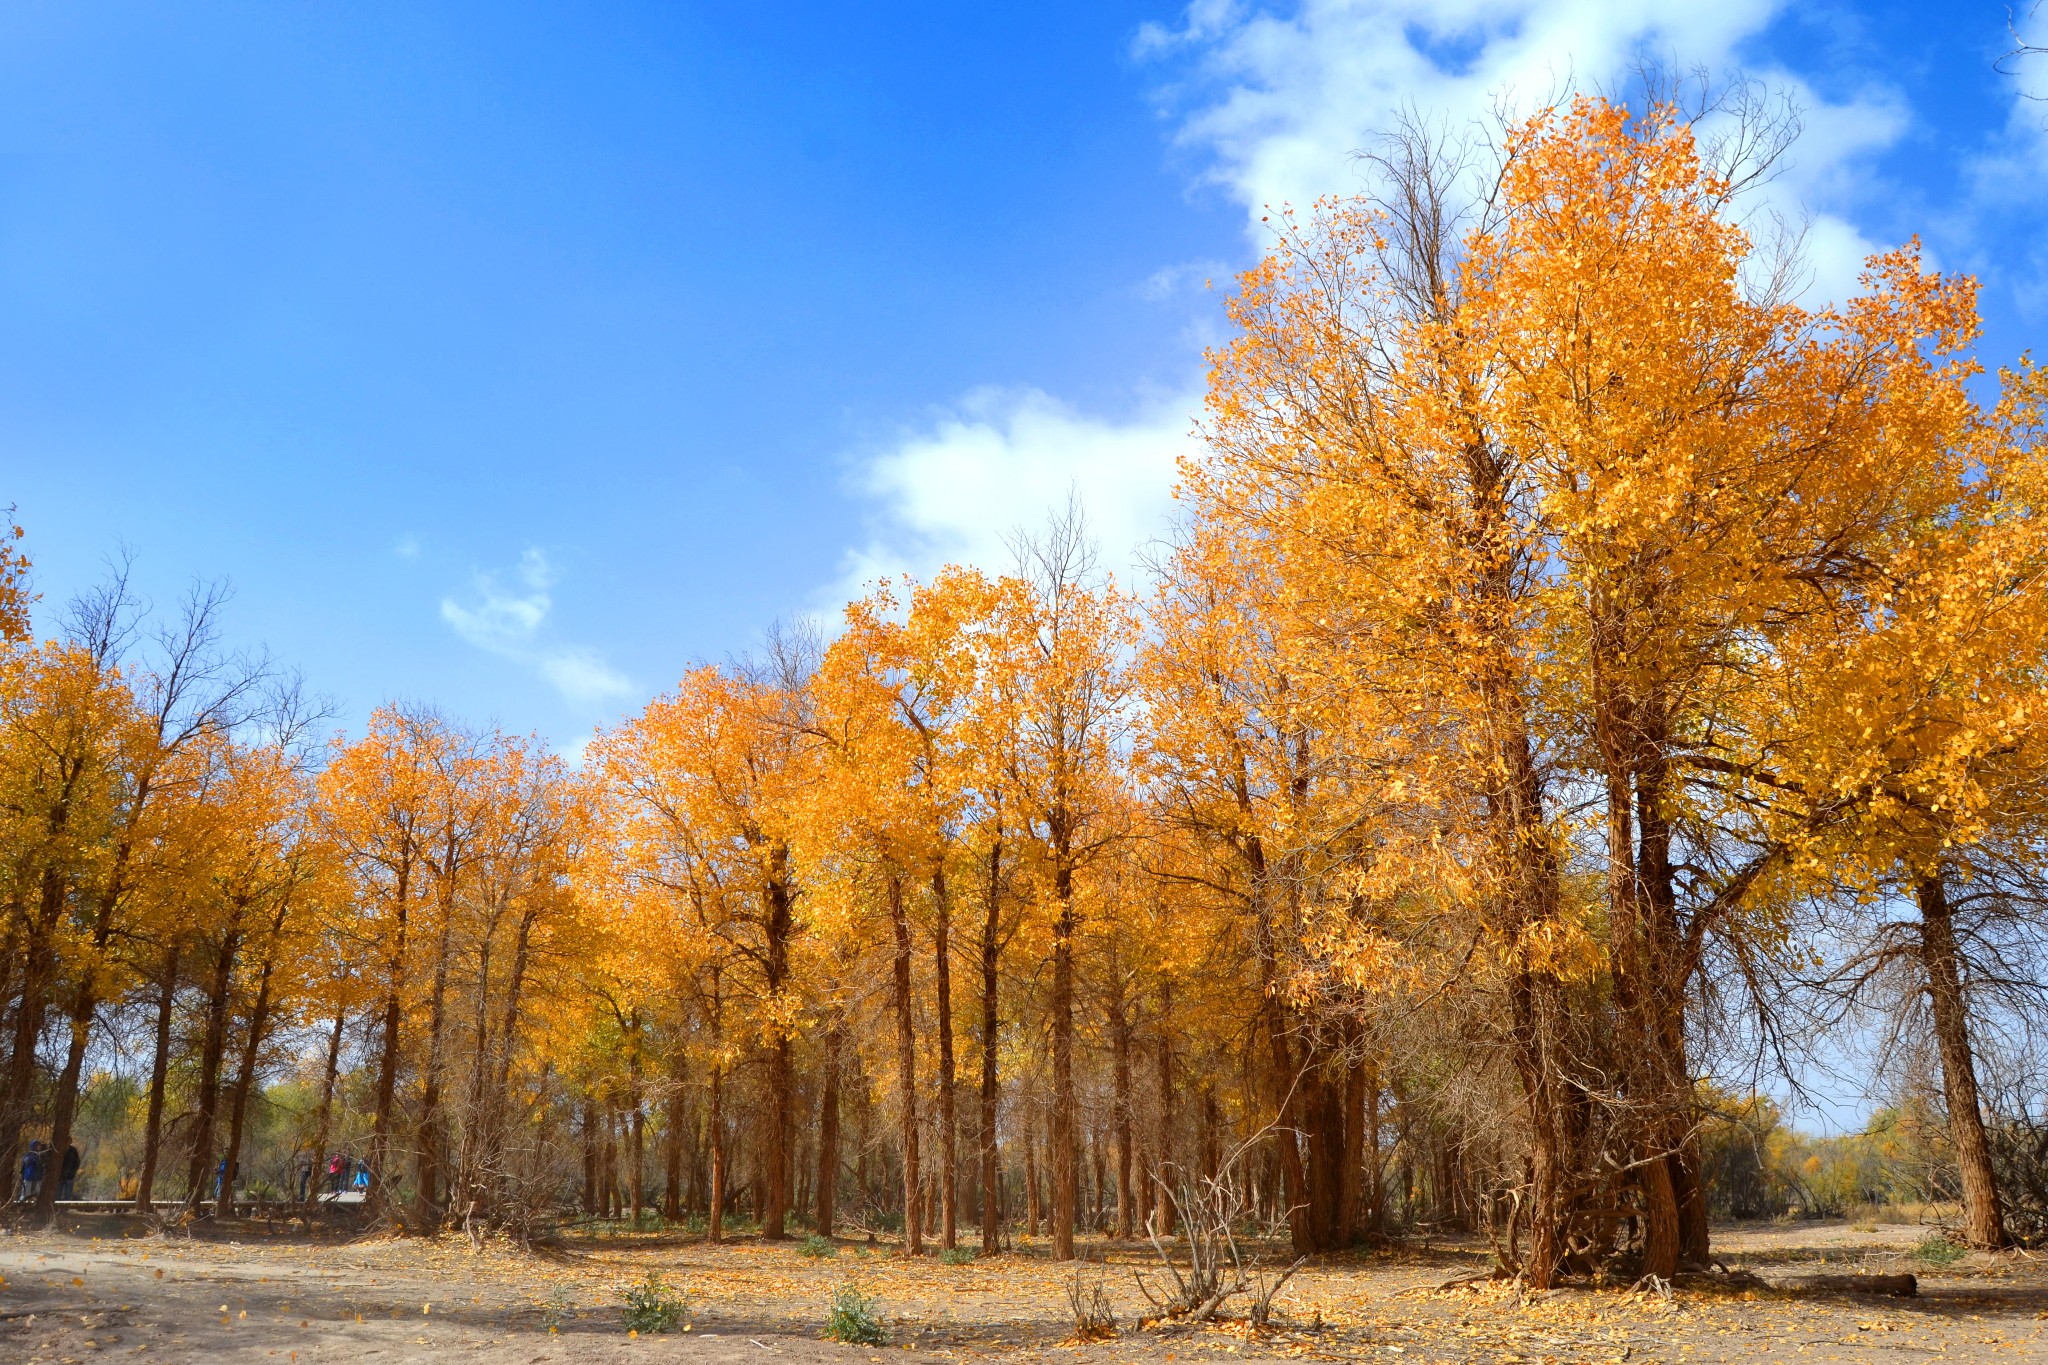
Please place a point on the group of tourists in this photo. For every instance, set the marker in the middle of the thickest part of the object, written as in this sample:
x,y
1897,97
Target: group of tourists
x,y
343,1173
35,1164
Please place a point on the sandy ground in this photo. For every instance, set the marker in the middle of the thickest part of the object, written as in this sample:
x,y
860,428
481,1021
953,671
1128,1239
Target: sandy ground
x,y
77,1297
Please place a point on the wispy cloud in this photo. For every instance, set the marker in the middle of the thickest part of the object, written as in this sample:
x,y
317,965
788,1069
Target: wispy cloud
x,y
1280,106
507,620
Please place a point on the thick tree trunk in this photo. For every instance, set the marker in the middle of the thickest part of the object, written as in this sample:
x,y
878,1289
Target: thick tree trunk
x,y
1533,1061
1983,1216
906,1074
427,1200
39,969
159,1071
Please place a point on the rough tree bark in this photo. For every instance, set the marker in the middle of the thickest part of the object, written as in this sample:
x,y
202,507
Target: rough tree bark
x,y
1983,1215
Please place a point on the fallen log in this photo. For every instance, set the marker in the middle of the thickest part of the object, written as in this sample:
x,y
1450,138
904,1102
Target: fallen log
x,y
1898,1286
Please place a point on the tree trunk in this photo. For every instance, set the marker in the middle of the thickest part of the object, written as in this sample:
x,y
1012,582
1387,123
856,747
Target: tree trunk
x,y
991,949
159,1069
39,968
427,1199
781,1080
828,1127
1163,1143
906,1073
1031,1206
716,1223
1982,1213
1063,1153
387,1062
212,1046
326,1125
949,1126
245,1077
672,1160
1120,1101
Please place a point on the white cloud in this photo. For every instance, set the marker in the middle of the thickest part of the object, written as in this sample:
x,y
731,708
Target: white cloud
x,y
576,750
407,547
952,491
1277,108
507,621
580,675
1281,106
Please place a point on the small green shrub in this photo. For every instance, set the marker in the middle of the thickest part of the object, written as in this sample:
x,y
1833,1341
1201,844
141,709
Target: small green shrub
x,y
818,1248
852,1319
956,1256
1939,1250
652,1306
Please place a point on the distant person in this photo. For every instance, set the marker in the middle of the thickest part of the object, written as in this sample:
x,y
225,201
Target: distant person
x,y
362,1180
305,1170
67,1174
337,1171
32,1170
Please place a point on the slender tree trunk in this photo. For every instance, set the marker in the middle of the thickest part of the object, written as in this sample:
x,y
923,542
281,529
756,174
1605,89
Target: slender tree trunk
x,y
1163,1060
212,1046
828,1127
672,1160
377,1197
639,1161
1120,1100
590,1159
159,1070
991,949
716,1227
64,1103
245,1076
1064,1154
1982,1212
1031,1206
325,1128
906,1073
949,1126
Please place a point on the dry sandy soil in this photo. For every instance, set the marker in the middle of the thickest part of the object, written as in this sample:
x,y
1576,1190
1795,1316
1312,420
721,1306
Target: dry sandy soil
x,y
76,1296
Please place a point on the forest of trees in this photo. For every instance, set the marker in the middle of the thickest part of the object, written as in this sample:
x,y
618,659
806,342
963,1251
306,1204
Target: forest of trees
x,y
1581,675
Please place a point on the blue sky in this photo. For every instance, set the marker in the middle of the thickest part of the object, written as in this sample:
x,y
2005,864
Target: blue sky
x,y
515,357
